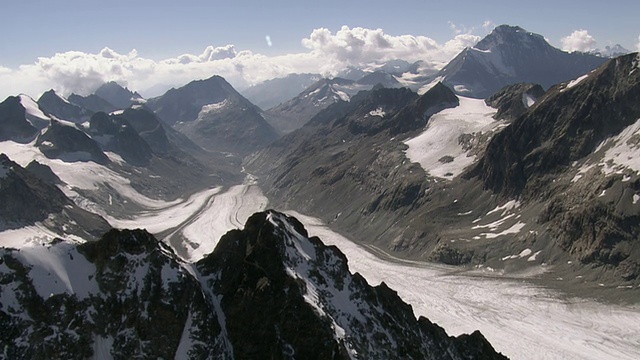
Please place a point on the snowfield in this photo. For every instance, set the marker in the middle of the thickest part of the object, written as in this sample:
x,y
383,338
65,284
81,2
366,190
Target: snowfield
x,y
438,149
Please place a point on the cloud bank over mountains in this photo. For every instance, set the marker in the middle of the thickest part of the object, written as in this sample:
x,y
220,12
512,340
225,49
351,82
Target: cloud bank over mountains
x,y
327,53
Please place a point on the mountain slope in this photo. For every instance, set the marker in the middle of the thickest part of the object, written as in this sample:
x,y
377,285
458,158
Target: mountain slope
x,y
30,201
510,55
215,116
276,91
128,295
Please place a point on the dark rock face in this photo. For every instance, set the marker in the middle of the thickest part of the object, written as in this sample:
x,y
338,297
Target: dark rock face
x,y
115,94
514,100
215,116
92,102
117,135
567,125
268,291
13,123
26,199
591,213
53,104
66,142
511,55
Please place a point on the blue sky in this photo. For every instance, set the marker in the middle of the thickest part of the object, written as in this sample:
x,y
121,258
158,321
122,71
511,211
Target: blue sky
x,y
161,30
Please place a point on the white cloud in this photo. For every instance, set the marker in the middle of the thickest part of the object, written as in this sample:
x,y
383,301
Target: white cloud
x,y
488,25
328,53
579,40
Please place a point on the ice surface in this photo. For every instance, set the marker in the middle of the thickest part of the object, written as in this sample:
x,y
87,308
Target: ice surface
x,y
547,327
440,138
158,220
222,213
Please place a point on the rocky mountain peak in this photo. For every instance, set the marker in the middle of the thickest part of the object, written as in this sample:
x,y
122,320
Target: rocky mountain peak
x,y
13,122
287,284
119,96
54,104
511,36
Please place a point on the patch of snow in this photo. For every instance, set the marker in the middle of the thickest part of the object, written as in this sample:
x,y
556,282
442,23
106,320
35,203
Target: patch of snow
x,y
514,229
461,89
377,112
635,199
102,348
32,109
528,100
575,82
508,206
440,138
212,108
534,256
623,151
522,254
58,269
343,96
186,342
117,112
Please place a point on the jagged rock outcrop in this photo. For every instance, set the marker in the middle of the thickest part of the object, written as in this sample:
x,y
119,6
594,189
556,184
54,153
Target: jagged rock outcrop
x,y
268,291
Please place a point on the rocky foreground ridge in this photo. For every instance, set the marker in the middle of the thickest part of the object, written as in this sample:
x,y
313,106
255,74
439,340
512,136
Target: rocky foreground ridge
x,y
268,291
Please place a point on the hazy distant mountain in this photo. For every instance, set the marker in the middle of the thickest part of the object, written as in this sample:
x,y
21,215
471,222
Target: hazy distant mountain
x,y
119,96
276,91
215,116
294,113
611,51
510,55
92,102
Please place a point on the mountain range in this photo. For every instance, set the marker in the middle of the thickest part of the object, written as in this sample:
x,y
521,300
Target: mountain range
x,y
515,158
